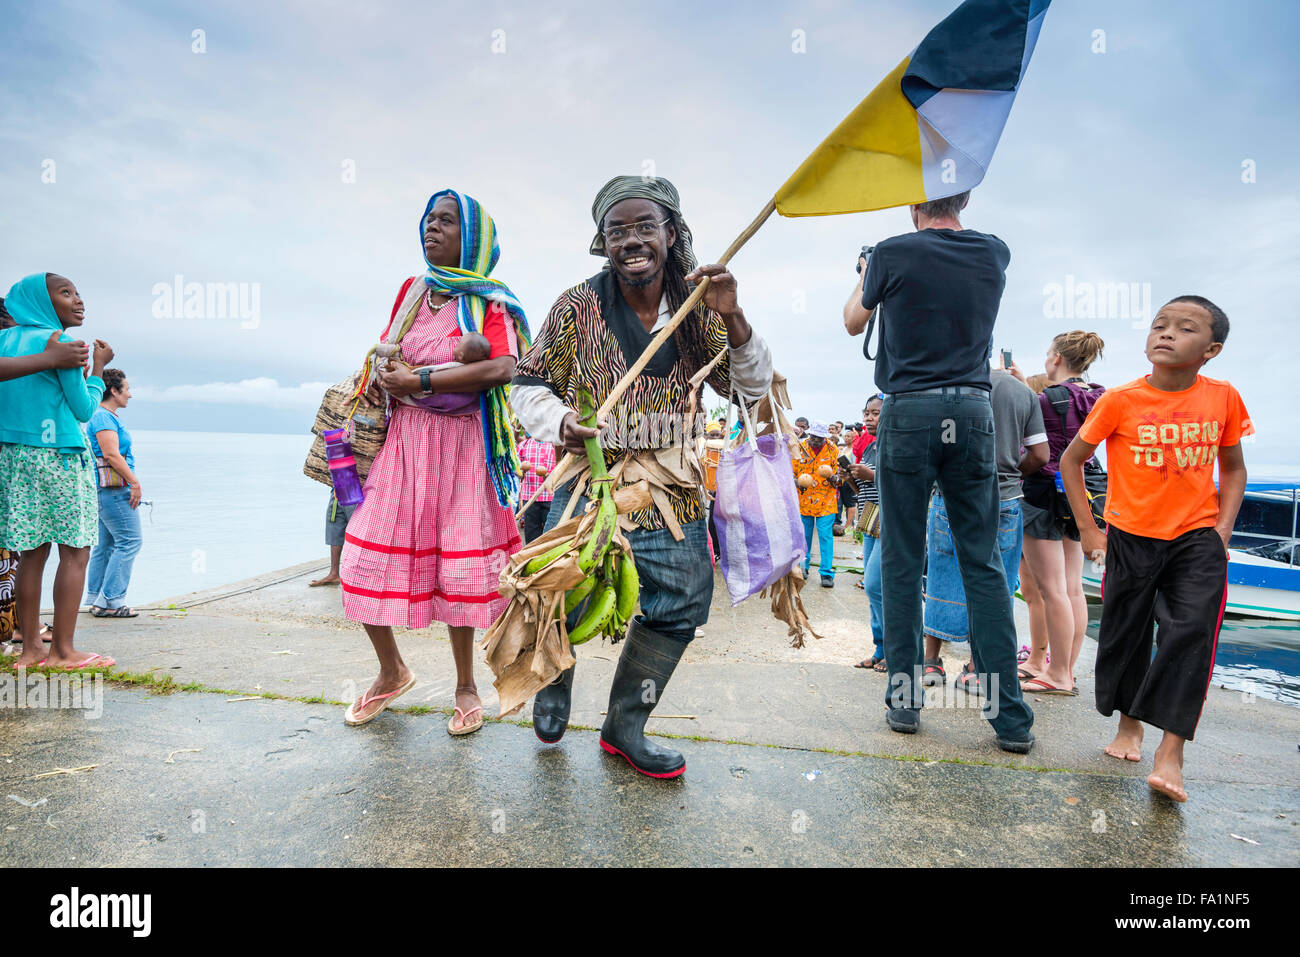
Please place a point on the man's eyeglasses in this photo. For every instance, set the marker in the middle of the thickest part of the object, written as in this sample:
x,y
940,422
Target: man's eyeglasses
x,y
645,231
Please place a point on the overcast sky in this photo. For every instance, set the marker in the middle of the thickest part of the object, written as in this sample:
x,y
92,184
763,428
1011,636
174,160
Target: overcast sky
x,y
290,147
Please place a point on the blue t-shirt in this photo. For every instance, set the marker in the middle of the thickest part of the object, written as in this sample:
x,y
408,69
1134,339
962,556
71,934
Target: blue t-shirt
x,y
939,291
101,420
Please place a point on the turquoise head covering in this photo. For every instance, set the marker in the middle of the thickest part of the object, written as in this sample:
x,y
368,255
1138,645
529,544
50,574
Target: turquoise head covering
x,y
29,303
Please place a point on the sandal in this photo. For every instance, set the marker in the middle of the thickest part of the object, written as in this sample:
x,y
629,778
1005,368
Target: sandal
x,y
90,661
881,667
355,717
47,636
123,612
934,673
968,681
1045,688
870,663
465,727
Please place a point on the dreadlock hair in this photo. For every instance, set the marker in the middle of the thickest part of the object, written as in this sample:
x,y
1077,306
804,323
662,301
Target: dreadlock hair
x,y
1218,318
1078,349
675,285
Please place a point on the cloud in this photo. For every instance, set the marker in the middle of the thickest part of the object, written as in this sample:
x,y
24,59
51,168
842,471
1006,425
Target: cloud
x,y
263,392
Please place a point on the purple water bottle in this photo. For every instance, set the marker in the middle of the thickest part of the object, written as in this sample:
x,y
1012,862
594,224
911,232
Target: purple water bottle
x,y
343,467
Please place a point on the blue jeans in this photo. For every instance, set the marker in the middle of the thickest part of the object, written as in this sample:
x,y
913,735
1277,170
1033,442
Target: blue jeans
x,y
823,525
109,571
676,577
945,438
945,598
871,584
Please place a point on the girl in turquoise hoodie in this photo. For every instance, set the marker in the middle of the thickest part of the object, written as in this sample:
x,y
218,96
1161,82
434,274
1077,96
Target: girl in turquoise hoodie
x,y
47,478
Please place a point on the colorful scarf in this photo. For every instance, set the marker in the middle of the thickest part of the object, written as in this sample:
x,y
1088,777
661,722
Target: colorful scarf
x,y
473,289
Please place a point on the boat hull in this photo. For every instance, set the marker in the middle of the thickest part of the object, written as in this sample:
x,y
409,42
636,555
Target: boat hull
x,y
1257,587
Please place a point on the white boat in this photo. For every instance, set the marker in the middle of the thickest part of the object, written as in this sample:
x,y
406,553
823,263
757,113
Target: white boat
x,y
1263,559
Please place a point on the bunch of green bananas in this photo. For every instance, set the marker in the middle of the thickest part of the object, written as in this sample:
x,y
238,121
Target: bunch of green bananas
x,y
609,592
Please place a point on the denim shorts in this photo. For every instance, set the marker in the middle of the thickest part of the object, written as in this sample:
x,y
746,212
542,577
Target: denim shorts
x,y
336,522
945,597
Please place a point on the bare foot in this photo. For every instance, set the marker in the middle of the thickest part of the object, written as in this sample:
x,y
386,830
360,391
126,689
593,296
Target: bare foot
x,y
1127,745
467,700
331,579
1167,774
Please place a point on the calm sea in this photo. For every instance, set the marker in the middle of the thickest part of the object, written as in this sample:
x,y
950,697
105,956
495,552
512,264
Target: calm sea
x,y
227,506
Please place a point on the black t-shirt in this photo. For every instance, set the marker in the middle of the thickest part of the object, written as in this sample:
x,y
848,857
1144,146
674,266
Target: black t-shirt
x,y
940,290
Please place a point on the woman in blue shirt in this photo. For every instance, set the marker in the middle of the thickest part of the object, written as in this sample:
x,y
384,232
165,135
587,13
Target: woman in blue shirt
x,y
119,497
47,477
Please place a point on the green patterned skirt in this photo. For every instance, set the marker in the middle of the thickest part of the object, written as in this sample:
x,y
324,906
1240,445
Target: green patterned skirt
x,y
47,496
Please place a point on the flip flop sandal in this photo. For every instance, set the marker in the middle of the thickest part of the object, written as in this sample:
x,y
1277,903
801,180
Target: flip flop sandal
x,y
354,716
868,663
882,667
1045,688
934,673
464,717
1025,675
969,682
91,661
123,612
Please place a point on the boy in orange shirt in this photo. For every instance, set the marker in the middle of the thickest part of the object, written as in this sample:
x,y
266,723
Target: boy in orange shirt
x,y
1166,553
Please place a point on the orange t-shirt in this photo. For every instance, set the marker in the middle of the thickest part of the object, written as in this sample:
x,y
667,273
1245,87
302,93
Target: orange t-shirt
x,y
712,458
820,498
1160,452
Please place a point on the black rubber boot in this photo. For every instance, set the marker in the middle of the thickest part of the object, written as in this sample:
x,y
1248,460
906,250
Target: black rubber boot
x,y
647,662
551,708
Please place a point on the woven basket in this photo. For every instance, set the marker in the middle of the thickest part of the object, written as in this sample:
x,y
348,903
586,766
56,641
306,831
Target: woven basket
x,y
366,426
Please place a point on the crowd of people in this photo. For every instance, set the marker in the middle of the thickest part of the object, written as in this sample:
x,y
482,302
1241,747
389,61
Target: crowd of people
x,y
67,475
965,480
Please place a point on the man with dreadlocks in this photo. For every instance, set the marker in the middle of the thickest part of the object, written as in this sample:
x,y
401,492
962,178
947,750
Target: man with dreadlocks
x,y
594,333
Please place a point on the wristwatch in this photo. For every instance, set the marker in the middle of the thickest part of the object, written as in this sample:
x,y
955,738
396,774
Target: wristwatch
x,y
424,381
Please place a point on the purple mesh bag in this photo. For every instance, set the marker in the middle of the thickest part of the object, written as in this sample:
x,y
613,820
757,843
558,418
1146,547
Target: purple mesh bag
x,y
756,514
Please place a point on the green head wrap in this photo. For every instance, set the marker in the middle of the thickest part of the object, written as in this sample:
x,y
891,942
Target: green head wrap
x,y
654,188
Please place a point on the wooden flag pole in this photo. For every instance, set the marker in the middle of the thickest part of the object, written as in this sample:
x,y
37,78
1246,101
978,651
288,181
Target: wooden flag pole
x,y
637,367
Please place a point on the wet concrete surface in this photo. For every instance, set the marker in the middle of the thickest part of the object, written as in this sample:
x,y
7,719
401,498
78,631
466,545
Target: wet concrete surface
x,y
279,783
295,780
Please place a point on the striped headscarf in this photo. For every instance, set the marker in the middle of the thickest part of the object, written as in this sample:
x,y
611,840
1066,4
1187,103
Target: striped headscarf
x,y
473,289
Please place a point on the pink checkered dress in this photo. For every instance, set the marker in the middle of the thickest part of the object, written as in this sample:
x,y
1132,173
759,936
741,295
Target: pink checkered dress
x,y
535,455
429,541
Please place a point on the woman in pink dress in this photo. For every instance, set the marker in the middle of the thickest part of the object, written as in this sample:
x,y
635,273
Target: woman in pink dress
x,y
437,524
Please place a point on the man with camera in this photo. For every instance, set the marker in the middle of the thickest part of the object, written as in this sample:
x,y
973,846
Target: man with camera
x,y
934,294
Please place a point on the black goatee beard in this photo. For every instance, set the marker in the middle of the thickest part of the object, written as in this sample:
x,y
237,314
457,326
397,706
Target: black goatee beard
x,y
643,281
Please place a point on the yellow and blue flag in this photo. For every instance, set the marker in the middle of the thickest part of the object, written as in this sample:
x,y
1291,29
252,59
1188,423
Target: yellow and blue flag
x,y
928,130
